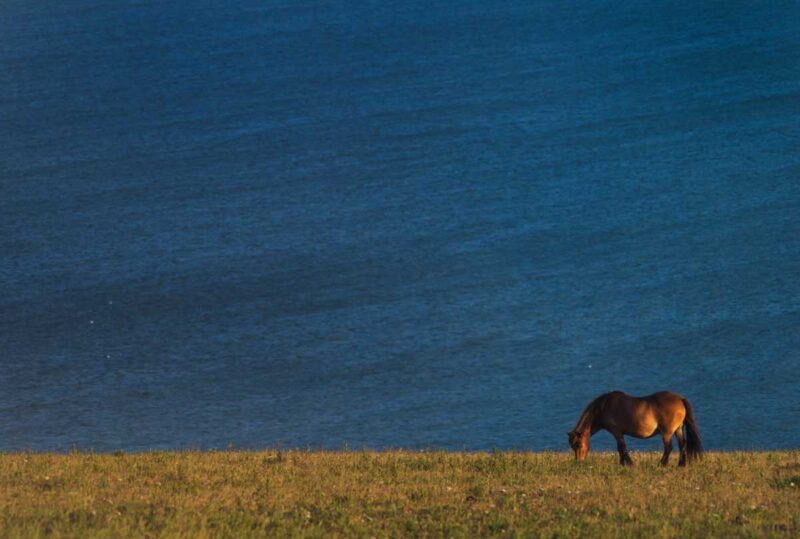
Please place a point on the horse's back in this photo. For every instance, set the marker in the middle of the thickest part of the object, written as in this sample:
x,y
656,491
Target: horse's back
x,y
664,398
658,397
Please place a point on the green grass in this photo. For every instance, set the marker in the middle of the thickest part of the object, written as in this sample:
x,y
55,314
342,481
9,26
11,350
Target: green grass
x,y
396,493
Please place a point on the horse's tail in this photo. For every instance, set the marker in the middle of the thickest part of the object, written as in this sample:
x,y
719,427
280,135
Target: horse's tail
x,y
694,447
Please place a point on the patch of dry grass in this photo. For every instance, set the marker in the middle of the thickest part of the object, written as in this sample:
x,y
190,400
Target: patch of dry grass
x,y
395,493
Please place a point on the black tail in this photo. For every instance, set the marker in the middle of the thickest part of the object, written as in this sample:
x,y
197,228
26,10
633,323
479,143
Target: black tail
x,y
694,447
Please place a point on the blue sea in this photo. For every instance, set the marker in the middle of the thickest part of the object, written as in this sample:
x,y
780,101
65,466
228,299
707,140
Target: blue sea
x,y
329,224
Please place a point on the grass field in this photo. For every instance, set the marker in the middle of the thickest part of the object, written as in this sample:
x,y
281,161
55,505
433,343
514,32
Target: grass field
x,y
395,493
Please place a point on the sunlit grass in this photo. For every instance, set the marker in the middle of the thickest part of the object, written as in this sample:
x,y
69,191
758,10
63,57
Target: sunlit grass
x,y
395,493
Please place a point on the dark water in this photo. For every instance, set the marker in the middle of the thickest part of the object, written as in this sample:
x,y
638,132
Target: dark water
x,y
395,223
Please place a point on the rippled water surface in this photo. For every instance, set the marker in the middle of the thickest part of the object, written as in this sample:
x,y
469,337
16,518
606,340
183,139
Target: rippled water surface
x,y
416,224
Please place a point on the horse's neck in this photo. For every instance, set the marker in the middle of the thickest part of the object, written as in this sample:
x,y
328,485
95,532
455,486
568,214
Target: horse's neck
x,y
586,422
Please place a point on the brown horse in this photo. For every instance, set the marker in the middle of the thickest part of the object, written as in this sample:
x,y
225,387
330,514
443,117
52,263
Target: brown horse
x,y
662,413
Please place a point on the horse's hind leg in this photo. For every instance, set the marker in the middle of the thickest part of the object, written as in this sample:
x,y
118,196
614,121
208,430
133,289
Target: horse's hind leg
x,y
681,446
667,437
624,457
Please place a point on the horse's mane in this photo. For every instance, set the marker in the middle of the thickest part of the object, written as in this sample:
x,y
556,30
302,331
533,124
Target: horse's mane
x,y
594,409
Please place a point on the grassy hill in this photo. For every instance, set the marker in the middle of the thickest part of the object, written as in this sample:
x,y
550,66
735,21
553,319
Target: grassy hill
x,y
396,493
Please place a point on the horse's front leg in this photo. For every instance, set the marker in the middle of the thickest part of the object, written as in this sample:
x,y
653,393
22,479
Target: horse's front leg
x,y
624,457
667,438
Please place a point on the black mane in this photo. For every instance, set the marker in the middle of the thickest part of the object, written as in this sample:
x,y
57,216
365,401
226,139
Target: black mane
x,y
594,409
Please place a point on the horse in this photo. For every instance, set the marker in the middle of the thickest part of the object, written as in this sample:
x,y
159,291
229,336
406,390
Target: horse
x,y
665,413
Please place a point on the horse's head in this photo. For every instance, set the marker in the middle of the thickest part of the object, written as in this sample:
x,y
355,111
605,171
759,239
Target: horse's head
x,y
579,443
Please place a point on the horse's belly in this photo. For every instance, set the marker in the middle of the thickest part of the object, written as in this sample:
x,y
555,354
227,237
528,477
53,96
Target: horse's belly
x,y
646,429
